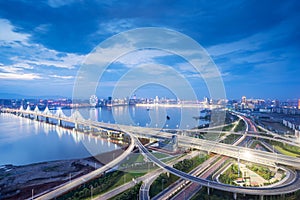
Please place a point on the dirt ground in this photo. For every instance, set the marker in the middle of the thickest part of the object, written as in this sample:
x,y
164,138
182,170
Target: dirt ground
x,y
18,182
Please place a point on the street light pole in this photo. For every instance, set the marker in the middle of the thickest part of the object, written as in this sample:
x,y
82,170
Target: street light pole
x,y
238,162
91,192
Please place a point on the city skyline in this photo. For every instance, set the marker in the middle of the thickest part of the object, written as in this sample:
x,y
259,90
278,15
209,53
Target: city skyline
x,y
256,51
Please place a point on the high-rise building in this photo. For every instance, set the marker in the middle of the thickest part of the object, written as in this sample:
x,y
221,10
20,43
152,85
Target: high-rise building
x,y
244,99
299,104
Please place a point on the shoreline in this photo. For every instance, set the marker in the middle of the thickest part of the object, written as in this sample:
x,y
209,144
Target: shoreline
x,y
175,105
18,182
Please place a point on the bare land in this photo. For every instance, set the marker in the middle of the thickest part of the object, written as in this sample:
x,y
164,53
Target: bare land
x,y
18,182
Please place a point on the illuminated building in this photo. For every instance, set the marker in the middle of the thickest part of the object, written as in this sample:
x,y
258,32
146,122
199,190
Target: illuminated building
x,y
244,99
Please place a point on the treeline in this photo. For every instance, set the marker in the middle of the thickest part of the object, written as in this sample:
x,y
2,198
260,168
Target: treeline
x,y
130,194
99,185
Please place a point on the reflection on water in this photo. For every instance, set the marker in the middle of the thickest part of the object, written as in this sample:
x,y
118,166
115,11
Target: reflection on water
x,y
24,141
156,117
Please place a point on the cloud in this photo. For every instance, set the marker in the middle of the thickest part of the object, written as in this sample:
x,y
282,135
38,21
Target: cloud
x,y
62,77
19,49
115,26
27,60
59,3
15,67
141,57
42,28
18,71
9,34
12,76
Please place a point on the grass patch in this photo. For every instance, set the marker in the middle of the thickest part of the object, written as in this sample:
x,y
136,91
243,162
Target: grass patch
x,y
286,149
241,126
126,177
228,127
231,138
139,158
230,175
262,171
285,152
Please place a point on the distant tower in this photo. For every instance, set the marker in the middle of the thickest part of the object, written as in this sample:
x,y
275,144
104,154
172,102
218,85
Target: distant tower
x,y
156,100
299,104
244,99
175,142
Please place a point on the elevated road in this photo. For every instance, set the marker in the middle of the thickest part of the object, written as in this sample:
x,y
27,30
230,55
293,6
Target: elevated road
x,y
243,153
278,190
85,178
210,146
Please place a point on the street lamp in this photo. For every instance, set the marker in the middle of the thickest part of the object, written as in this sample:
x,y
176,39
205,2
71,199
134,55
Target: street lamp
x,y
70,177
238,162
162,184
91,192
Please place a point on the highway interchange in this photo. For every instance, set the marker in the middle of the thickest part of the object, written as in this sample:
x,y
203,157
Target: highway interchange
x,y
237,152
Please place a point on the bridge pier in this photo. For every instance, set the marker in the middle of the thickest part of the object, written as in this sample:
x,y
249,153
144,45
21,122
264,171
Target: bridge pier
x,y
108,133
47,120
235,196
37,118
76,126
59,123
208,191
261,197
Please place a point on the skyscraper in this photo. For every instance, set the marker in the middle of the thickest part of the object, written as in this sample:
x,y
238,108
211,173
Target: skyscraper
x,y
244,99
299,104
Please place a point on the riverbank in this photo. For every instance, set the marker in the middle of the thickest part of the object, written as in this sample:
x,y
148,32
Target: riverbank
x,y
18,182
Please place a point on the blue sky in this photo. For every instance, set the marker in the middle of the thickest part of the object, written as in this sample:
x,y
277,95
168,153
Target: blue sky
x,y
255,44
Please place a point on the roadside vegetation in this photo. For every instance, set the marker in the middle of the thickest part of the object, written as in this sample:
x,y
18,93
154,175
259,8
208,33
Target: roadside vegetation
x,y
260,130
164,180
214,195
130,194
262,171
241,126
100,185
286,149
231,138
223,195
228,127
230,175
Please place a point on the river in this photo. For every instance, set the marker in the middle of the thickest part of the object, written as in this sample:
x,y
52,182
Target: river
x,y
24,141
